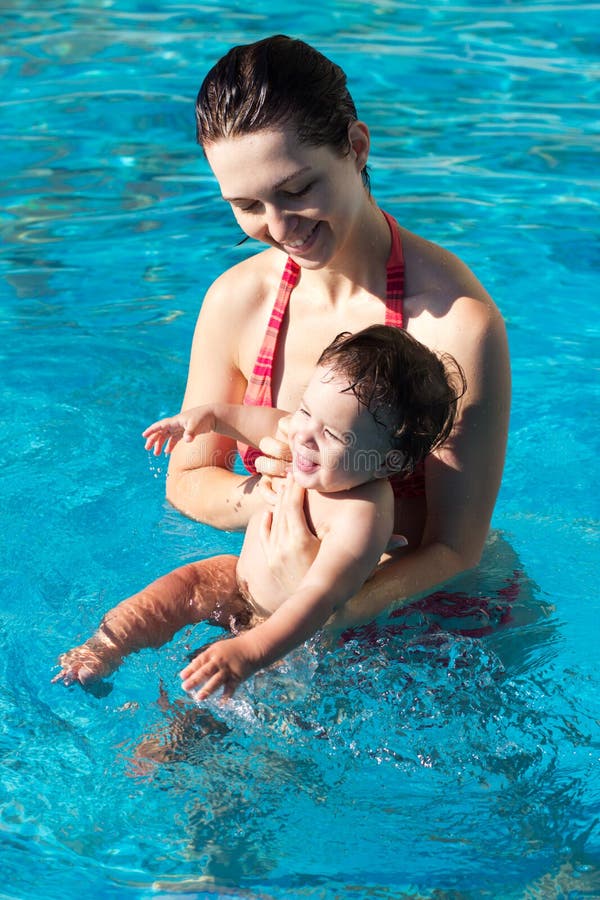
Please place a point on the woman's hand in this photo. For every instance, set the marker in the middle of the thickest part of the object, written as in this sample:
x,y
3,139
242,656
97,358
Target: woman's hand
x,y
276,454
275,463
288,544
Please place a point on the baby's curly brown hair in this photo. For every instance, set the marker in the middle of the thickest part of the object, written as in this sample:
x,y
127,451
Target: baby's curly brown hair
x,y
408,389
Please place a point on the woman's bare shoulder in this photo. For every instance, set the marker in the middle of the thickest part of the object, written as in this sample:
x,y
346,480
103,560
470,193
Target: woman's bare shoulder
x,y
442,294
247,283
236,309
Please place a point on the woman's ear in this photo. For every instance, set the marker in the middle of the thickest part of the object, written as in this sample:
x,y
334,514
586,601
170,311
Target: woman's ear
x,y
360,143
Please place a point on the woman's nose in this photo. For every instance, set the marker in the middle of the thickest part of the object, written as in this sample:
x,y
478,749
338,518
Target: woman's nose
x,y
280,224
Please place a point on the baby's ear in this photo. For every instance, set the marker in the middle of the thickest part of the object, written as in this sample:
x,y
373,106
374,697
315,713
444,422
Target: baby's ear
x,y
394,462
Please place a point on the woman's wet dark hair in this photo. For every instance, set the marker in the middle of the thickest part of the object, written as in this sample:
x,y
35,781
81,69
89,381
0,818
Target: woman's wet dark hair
x,y
275,82
408,389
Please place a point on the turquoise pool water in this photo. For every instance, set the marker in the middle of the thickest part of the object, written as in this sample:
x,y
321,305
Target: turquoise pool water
x,y
450,752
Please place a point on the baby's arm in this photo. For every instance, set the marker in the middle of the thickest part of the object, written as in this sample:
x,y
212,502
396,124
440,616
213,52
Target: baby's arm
x,y
358,531
248,424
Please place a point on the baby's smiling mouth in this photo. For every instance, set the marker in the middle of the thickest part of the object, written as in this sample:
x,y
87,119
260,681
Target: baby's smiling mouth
x,y
304,463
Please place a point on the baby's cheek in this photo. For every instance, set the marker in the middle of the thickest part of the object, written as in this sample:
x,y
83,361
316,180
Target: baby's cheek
x,y
332,461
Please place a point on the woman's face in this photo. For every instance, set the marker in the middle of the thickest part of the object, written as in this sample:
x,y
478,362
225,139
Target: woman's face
x,y
301,199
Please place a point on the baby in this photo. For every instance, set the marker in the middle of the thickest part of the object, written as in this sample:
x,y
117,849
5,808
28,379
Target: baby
x,y
377,404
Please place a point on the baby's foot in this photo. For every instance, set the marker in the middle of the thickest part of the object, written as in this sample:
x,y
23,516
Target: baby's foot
x,y
89,662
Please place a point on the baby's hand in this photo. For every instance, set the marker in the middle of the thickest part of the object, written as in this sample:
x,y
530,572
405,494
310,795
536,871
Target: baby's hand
x,y
166,433
223,664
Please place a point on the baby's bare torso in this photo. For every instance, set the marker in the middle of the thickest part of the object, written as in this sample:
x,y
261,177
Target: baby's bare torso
x,y
262,591
255,579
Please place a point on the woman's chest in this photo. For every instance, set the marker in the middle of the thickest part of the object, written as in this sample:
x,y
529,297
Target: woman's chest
x,y
304,334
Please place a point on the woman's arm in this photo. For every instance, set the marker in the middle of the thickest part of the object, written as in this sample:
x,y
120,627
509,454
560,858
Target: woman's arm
x,y
462,479
200,480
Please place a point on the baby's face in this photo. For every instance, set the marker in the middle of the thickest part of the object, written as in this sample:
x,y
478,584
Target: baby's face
x,y
336,443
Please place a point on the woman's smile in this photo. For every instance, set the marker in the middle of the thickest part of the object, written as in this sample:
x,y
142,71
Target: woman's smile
x,y
302,245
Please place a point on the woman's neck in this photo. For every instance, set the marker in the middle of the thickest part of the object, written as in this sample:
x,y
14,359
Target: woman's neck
x,y
360,265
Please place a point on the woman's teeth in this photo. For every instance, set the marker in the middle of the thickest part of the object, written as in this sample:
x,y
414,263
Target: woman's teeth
x,y
296,244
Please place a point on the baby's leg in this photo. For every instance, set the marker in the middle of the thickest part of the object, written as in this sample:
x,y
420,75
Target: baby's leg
x,y
198,591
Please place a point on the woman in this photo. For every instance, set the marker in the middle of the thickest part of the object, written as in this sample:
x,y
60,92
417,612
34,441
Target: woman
x,y
283,139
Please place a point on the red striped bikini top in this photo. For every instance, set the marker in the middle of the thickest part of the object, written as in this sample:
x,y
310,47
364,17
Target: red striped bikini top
x,y
258,391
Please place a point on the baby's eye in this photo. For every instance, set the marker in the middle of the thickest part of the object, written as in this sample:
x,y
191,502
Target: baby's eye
x,y
303,412
334,437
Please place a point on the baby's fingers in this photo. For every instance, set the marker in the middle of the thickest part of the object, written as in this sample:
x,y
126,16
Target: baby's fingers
x,y
293,496
264,532
162,435
155,444
155,429
266,523
210,686
267,489
197,672
230,688
205,679
71,675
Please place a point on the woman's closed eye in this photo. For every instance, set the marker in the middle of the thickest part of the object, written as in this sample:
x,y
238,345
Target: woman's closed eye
x,y
249,207
301,192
